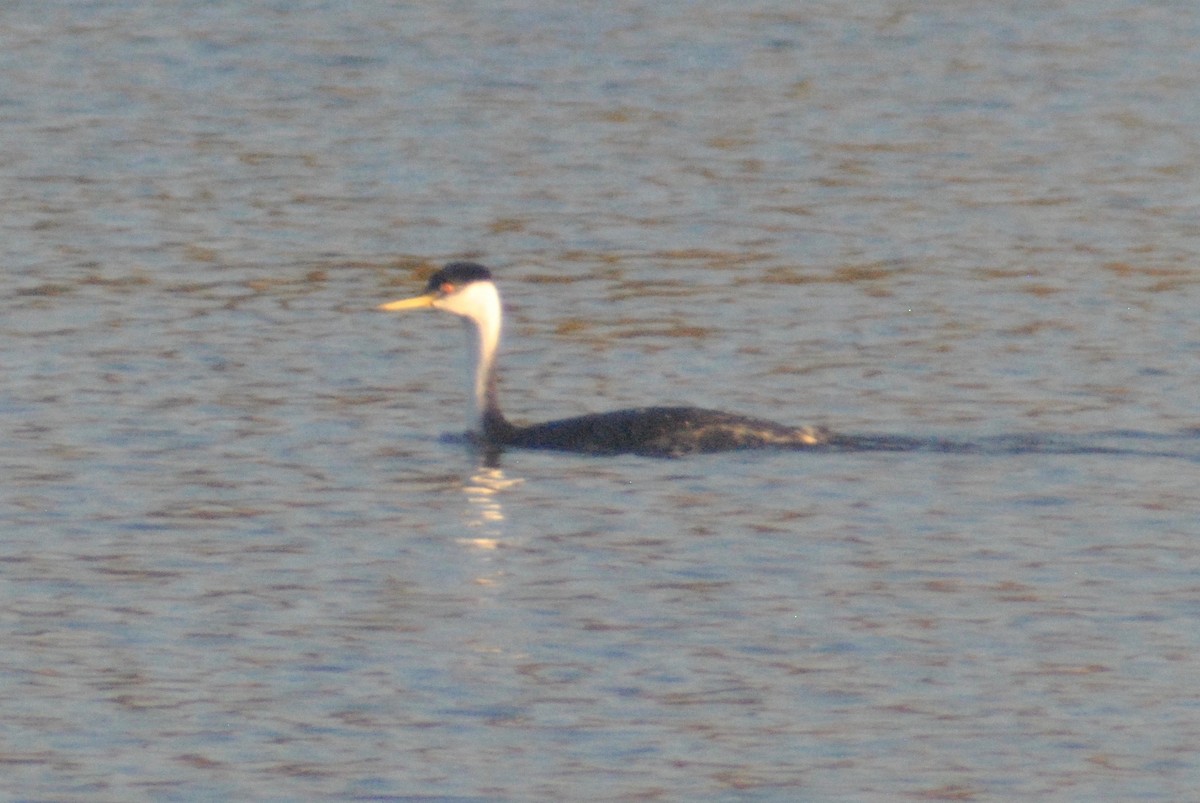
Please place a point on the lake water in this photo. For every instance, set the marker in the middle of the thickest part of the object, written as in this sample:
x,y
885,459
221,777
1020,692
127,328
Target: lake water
x,y
239,562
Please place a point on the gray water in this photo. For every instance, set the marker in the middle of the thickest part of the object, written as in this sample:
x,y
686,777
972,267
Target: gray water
x,y
238,561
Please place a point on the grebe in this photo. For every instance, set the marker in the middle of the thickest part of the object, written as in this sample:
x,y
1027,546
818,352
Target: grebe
x,y
466,289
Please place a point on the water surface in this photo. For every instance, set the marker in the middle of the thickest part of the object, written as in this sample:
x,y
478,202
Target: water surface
x,y
239,562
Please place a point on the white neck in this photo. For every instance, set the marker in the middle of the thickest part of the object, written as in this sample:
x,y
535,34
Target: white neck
x,y
478,305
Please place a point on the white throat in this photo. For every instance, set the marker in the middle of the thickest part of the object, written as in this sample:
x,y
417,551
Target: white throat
x,y
478,304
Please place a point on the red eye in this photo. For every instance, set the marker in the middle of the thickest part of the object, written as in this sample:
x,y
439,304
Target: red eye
x,y
447,288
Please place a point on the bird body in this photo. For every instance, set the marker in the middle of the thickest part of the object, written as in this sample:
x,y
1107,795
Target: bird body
x,y
466,289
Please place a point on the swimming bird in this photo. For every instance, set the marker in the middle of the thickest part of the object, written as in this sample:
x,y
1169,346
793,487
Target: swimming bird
x,y
466,289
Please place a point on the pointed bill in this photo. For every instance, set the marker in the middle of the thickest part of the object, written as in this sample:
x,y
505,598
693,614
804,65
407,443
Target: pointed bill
x,y
416,302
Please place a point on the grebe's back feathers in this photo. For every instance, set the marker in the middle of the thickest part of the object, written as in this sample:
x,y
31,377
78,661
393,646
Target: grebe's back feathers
x,y
653,432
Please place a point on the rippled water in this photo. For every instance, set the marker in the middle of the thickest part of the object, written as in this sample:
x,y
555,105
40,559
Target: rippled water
x,y
238,561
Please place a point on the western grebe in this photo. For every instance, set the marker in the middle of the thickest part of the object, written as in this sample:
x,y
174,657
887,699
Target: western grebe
x,y
467,290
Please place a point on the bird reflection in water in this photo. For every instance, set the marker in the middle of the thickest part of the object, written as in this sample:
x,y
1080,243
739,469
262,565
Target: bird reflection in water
x,y
484,490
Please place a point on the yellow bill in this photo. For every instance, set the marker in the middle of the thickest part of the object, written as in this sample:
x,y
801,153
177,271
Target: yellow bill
x,y
416,302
